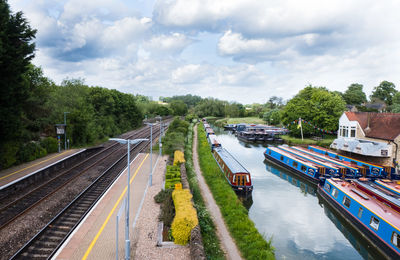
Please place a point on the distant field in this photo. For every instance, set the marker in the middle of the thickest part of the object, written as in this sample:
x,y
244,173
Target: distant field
x,y
237,120
297,141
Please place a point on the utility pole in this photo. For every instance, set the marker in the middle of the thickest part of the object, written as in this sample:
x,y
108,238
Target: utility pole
x,y
151,152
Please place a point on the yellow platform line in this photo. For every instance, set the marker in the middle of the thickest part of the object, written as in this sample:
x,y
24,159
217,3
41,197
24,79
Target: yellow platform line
x,y
110,214
33,165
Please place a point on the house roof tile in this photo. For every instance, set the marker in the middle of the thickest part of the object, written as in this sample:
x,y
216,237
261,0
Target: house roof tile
x,y
381,125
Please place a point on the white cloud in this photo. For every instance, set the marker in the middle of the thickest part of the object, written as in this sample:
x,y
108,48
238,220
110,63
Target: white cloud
x,y
167,44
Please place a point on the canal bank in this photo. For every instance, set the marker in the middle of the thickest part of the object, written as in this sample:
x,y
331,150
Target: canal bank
x,y
288,210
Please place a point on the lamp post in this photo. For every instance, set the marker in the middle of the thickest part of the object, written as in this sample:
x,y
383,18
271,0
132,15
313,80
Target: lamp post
x,y
65,130
159,141
127,240
151,152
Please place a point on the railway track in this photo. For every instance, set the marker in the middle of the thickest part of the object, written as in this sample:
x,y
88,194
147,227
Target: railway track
x,y
48,240
32,198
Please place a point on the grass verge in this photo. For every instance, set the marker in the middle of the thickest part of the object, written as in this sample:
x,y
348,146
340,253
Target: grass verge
x,y
297,141
250,242
211,243
246,120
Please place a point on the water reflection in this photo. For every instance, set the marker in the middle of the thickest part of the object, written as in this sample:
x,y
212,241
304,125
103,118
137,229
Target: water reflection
x,y
300,226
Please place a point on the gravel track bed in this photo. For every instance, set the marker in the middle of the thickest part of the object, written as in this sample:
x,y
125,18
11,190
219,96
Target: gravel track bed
x,y
16,234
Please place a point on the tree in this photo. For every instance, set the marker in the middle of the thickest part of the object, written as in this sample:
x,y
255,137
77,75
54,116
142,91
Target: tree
x,y
385,92
274,102
316,105
272,117
396,103
16,51
355,95
178,107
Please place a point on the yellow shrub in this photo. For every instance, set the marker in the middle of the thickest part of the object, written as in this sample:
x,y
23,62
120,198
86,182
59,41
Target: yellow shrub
x,y
185,216
178,157
178,186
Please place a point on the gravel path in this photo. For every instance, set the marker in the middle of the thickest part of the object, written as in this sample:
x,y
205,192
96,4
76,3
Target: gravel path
x,y
227,243
145,234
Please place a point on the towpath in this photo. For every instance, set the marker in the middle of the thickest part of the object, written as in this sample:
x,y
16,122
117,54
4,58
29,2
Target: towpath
x,y
227,243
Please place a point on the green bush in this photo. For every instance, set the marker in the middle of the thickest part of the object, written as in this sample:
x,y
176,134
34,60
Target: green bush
x,y
167,212
30,151
50,144
8,154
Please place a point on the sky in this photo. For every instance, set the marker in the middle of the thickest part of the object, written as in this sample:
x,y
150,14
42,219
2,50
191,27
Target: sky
x,y
235,50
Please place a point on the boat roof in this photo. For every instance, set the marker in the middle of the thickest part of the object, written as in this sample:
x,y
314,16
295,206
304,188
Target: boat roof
x,y
308,157
293,157
230,161
323,157
213,139
380,209
383,193
353,159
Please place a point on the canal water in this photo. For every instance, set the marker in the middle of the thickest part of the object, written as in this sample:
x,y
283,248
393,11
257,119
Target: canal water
x,y
288,210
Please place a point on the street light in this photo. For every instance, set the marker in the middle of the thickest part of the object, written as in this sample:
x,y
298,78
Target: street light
x,y
127,241
159,141
65,131
151,151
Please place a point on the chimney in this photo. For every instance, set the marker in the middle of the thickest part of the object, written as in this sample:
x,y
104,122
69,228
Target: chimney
x,y
368,119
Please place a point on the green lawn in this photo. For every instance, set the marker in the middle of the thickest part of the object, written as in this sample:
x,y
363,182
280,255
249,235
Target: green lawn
x,y
326,142
237,120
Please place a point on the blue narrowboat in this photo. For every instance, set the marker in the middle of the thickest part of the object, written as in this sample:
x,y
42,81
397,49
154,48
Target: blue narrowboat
x,y
374,213
346,169
237,176
325,168
375,170
301,167
391,185
209,131
213,141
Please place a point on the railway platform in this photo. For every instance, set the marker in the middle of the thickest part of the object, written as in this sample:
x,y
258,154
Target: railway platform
x,y
95,237
15,173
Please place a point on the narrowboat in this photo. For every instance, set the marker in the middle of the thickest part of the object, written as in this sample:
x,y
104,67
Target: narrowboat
x,y
236,175
346,168
206,125
374,169
246,136
299,166
213,141
230,127
391,185
327,168
209,131
240,127
375,214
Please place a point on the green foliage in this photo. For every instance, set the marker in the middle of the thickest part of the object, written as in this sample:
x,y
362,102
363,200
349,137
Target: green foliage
x,y
316,105
172,176
178,107
385,92
211,243
272,117
189,100
30,152
249,241
234,110
8,154
325,142
175,137
167,212
355,95
50,144
210,107
16,51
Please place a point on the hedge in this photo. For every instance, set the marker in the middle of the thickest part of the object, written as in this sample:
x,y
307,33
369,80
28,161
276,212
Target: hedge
x,y
185,216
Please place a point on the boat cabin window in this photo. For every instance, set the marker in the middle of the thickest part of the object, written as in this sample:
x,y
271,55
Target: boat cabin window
x,y
281,158
247,178
335,193
374,223
396,239
295,164
346,201
327,187
234,178
269,152
326,153
303,168
360,212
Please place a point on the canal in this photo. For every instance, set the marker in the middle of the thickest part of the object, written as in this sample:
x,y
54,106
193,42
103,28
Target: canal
x,y
288,210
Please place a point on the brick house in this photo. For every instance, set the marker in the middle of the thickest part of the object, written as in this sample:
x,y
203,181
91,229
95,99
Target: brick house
x,y
373,137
